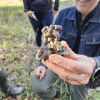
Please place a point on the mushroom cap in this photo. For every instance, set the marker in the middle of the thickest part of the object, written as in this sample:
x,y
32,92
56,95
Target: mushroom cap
x,y
47,31
51,33
56,34
56,27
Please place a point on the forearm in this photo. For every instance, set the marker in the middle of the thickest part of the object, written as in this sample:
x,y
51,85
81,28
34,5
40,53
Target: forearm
x,y
56,5
26,4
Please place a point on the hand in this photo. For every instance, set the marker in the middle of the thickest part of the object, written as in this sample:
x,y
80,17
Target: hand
x,y
75,69
40,72
29,13
54,12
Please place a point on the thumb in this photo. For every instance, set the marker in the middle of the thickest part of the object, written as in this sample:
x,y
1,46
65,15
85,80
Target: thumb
x,y
72,55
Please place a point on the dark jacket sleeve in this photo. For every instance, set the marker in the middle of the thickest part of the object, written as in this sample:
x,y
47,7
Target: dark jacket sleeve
x,y
26,4
94,81
56,5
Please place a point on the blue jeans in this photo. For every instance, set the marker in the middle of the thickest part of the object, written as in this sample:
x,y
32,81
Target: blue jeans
x,y
44,19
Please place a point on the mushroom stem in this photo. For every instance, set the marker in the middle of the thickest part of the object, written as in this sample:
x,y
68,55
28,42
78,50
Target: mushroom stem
x,y
52,44
57,46
55,43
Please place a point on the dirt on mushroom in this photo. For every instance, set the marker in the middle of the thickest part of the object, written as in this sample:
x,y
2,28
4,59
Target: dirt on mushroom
x,y
51,35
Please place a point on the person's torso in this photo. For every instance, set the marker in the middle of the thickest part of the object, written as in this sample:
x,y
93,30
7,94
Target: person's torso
x,y
40,5
90,33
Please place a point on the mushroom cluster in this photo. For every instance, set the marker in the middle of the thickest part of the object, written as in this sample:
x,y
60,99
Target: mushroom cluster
x,y
51,34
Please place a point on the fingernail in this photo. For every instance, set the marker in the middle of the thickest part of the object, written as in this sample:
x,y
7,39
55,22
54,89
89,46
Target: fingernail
x,y
52,58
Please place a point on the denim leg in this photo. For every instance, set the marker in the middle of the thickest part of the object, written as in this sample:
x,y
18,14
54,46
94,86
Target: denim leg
x,y
43,19
47,19
37,26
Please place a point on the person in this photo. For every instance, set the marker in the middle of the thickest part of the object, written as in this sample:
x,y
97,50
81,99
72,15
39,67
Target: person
x,y
43,16
81,69
5,86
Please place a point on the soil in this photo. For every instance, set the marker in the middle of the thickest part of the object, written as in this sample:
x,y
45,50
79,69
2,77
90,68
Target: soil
x,y
51,34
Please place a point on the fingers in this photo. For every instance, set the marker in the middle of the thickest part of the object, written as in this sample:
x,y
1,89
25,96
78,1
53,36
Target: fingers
x,y
76,78
72,54
37,72
54,12
66,63
70,81
73,64
30,14
76,82
73,82
71,77
40,72
77,66
42,75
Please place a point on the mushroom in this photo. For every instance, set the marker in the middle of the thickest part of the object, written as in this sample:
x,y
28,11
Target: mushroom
x,y
51,34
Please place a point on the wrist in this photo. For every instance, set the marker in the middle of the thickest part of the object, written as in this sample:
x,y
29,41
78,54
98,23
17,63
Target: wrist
x,y
93,63
26,10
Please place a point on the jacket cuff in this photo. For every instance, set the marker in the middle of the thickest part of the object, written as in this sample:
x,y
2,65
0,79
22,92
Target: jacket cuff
x,y
97,60
25,10
55,9
95,77
96,71
56,5
41,64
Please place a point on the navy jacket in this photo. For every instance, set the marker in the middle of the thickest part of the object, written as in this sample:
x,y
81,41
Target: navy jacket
x,y
40,6
90,34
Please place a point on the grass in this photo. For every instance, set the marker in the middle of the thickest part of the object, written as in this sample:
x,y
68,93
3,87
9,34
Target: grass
x,y
18,48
